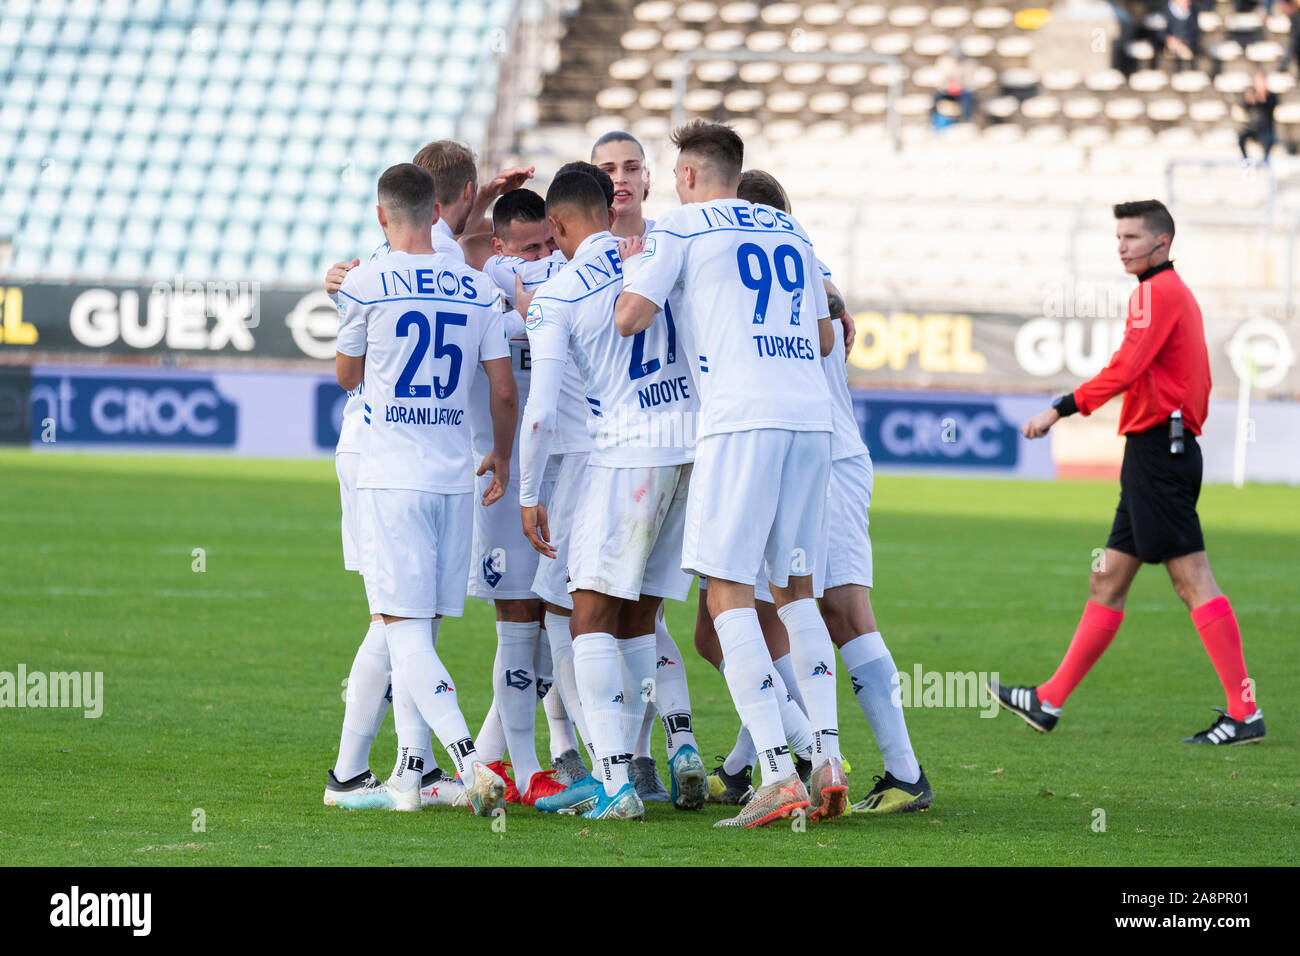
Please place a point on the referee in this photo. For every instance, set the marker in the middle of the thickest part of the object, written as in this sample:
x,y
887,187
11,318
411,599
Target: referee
x,y
1163,369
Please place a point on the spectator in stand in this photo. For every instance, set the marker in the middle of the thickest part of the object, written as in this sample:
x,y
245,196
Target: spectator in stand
x,y
954,101
1291,10
1259,102
1182,33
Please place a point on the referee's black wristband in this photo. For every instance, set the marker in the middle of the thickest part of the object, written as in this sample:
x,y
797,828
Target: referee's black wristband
x,y
1066,405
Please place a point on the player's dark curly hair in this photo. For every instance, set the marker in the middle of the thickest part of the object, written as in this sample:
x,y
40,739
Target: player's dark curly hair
x,y
518,205
595,172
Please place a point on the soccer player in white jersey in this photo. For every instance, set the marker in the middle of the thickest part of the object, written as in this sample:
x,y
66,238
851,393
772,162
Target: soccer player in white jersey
x,y
504,563
453,166
742,281
421,321
843,578
625,546
622,157
569,448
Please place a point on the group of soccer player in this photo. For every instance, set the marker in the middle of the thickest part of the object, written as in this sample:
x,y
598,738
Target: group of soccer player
x,y
662,400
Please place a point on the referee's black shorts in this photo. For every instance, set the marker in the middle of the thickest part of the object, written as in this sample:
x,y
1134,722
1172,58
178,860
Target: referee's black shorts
x,y
1156,518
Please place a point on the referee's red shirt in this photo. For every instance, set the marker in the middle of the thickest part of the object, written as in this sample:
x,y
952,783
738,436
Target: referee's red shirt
x,y
1162,364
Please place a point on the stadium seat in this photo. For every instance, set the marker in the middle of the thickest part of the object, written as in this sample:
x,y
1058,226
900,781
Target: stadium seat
x,y
743,13
866,15
781,14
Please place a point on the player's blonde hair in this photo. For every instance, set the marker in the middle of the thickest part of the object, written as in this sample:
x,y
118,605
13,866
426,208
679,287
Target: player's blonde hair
x,y
453,166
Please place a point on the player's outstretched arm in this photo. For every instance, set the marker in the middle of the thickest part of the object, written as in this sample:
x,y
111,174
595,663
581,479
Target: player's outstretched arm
x,y
503,182
504,407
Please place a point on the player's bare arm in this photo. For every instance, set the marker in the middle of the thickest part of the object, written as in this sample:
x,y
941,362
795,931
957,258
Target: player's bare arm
x,y
836,303
826,335
505,409
349,369
1040,424
338,272
635,313
503,182
536,529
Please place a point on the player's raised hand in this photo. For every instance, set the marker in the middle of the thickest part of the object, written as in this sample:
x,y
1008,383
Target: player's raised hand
x,y
338,272
508,179
630,246
1040,424
536,529
523,298
500,477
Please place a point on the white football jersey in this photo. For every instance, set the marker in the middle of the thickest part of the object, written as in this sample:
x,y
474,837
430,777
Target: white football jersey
x,y
642,398
571,430
846,435
353,413
423,322
746,294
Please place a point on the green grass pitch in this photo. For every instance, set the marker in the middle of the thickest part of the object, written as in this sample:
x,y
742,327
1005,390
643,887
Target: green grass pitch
x,y
223,689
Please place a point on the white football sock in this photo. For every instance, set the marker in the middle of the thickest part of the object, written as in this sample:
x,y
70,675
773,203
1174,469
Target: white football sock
x,y
672,696
490,741
557,633
647,728
750,678
516,696
414,738
367,701
813,655
871,667
798,731
596,666
557,718
636,661
742,754
417,667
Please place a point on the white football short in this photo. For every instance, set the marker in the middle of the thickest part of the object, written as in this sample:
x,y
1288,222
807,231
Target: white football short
x,y
756,504
503,563
627,533
848,544
415,546
845,554
551,582
346,464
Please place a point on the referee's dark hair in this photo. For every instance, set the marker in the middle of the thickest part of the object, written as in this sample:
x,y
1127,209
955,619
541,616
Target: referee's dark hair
x,y
577,190
1153,214
595,172
518,205
407,192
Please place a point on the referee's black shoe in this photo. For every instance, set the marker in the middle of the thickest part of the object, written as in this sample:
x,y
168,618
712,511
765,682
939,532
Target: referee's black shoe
x,y
1225,730
1024,703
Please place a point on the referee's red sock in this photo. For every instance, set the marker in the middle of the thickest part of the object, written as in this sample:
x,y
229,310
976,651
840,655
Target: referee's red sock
x,y
1096,630
1217,626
